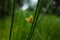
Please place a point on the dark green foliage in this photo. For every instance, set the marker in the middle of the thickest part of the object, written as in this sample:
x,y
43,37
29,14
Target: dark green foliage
x,y
5,8
19,3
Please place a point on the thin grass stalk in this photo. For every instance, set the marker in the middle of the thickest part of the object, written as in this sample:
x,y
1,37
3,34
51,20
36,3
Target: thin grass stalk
x,y
12,20
47,8
35,19
29,37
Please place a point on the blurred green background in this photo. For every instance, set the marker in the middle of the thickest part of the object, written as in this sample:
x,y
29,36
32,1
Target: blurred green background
x,y
47,29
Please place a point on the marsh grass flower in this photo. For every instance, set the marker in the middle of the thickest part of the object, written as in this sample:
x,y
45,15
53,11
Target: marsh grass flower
x,y
29,19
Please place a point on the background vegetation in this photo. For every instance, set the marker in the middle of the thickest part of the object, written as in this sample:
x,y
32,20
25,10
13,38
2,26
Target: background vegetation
x,y
48,28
